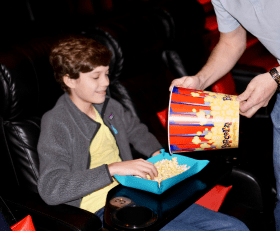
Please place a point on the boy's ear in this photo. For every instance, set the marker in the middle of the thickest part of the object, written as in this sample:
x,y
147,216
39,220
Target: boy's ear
x,y
68,81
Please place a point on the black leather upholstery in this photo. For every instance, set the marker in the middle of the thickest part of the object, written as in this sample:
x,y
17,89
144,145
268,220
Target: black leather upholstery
x,y
28,90
143,36
174,63
7,213
250,199
106,39
151,46
50,218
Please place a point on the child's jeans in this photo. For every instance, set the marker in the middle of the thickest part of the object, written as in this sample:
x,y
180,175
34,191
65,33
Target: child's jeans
x,y
100,214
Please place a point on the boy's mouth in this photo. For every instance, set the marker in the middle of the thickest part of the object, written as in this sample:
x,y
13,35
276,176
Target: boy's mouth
x,y
101,92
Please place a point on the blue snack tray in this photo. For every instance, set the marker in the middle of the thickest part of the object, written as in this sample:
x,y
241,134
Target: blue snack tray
x,y
152,186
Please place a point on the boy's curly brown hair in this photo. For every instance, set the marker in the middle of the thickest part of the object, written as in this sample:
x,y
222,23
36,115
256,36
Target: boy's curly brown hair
x,y
75,54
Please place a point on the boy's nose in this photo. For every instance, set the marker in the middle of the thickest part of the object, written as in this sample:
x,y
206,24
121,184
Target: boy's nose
x,y
105,81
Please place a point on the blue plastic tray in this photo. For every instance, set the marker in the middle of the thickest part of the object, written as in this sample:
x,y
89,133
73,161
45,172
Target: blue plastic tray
x,y
152,186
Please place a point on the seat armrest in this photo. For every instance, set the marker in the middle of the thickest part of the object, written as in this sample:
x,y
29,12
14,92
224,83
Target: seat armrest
x,y
46,217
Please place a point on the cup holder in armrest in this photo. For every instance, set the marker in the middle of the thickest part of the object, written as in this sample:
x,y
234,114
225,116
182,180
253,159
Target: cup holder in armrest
x,y
134,217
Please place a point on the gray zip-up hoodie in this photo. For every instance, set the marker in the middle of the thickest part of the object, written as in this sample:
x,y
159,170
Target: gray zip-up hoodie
x,y
66,134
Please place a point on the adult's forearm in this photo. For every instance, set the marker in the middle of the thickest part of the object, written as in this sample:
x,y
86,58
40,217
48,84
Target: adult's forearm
x,y
224,56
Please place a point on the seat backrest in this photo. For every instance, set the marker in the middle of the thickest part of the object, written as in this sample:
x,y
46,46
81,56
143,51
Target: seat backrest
x,y
27,90
143,36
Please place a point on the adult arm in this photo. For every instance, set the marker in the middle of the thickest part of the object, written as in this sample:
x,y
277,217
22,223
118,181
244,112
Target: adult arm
x,y
224,56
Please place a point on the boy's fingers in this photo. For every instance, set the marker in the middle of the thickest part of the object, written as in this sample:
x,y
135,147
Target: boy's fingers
x,y
147,167
155,172
141,174
150,170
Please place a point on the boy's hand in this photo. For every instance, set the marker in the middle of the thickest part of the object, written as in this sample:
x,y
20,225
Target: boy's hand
x,y
138,167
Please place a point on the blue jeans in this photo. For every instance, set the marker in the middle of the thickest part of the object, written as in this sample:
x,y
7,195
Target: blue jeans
x,y
275,116
100,214
197,218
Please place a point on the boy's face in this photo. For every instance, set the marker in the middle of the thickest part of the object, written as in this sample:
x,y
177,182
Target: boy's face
x,y
90,87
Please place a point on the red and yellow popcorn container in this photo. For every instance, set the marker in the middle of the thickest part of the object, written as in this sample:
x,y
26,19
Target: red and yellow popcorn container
x,y
202,120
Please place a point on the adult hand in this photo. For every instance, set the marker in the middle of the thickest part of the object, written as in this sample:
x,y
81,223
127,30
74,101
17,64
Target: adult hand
x,y
257,94
138,167
192,82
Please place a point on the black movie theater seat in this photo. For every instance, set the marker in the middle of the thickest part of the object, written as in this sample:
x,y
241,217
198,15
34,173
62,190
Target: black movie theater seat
x,y
28,90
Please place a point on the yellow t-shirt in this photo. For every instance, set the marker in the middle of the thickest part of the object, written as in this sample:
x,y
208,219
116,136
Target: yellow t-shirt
x,y
103,150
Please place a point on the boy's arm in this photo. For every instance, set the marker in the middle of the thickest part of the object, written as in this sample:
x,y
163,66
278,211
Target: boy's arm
x,y
137,167
58,183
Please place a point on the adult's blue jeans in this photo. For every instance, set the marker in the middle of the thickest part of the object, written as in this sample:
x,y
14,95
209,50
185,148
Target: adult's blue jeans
x,y
198,218
275,116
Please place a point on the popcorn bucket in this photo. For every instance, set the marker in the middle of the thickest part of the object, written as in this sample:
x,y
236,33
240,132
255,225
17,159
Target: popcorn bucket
x,y
202,120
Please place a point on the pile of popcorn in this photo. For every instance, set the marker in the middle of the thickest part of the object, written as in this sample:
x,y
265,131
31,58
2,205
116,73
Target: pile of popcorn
x,y
167,169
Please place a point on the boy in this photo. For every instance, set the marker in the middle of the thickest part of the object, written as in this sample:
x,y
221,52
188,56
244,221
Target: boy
x,y
85,138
